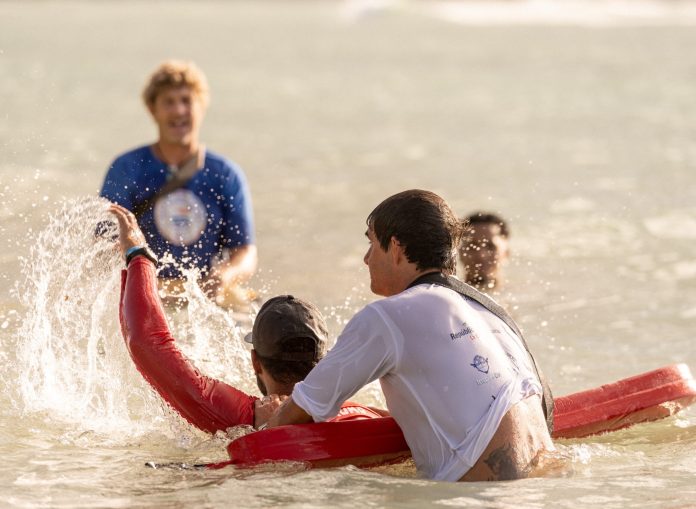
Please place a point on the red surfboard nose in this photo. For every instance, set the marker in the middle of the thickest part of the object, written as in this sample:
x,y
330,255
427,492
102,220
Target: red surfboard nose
x,y
642,398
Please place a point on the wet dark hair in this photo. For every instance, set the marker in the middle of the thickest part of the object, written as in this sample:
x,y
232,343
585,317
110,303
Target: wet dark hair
x,y
290,372
424,224
480,217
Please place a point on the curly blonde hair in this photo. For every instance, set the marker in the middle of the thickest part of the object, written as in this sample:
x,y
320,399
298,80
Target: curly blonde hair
x,y
174,74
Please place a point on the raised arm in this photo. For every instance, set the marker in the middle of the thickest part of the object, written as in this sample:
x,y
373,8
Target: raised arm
x,y
208,404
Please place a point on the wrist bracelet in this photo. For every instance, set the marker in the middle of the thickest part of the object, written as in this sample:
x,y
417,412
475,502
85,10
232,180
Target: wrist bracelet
x,y
130,251
140,251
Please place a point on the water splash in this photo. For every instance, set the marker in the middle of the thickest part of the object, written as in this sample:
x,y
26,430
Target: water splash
x,y
69,361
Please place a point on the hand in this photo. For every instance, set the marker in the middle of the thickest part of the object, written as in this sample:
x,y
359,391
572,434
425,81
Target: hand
x,y
228,275
129,234
265,407
235,265
228,296
289,412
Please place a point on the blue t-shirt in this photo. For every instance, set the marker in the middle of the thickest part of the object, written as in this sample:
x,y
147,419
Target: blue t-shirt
x,y
193,223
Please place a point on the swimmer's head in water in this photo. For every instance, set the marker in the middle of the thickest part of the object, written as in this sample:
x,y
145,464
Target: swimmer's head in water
x,y
289,337
484,248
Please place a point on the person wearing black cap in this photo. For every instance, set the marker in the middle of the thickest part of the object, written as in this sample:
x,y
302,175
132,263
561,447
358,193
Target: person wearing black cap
x,y
288,338
456,373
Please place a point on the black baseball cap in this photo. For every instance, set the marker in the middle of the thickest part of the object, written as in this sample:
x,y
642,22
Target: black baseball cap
x,y
280,326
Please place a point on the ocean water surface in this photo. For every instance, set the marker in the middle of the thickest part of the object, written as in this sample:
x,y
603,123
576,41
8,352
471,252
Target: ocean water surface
x,y
574,120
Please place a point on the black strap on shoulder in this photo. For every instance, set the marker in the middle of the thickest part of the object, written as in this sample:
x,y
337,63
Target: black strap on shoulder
x,y
175,180
437,278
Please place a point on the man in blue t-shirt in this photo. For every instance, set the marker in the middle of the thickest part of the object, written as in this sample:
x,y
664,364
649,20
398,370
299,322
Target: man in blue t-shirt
x,y
191,204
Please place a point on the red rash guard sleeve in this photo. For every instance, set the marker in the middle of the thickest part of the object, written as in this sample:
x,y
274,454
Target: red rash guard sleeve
x,y
208,404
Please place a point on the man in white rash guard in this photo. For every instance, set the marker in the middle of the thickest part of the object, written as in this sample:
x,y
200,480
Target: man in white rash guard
x,y
456,374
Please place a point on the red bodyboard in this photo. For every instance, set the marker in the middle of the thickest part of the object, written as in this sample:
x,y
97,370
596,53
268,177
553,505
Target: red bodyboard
x,y
642,398
359,442
370,442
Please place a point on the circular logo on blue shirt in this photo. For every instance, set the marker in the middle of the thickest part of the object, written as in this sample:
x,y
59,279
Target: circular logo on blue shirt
x,y
180,217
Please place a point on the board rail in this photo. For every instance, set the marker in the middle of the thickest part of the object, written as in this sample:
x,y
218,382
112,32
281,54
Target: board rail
x,y
370,442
